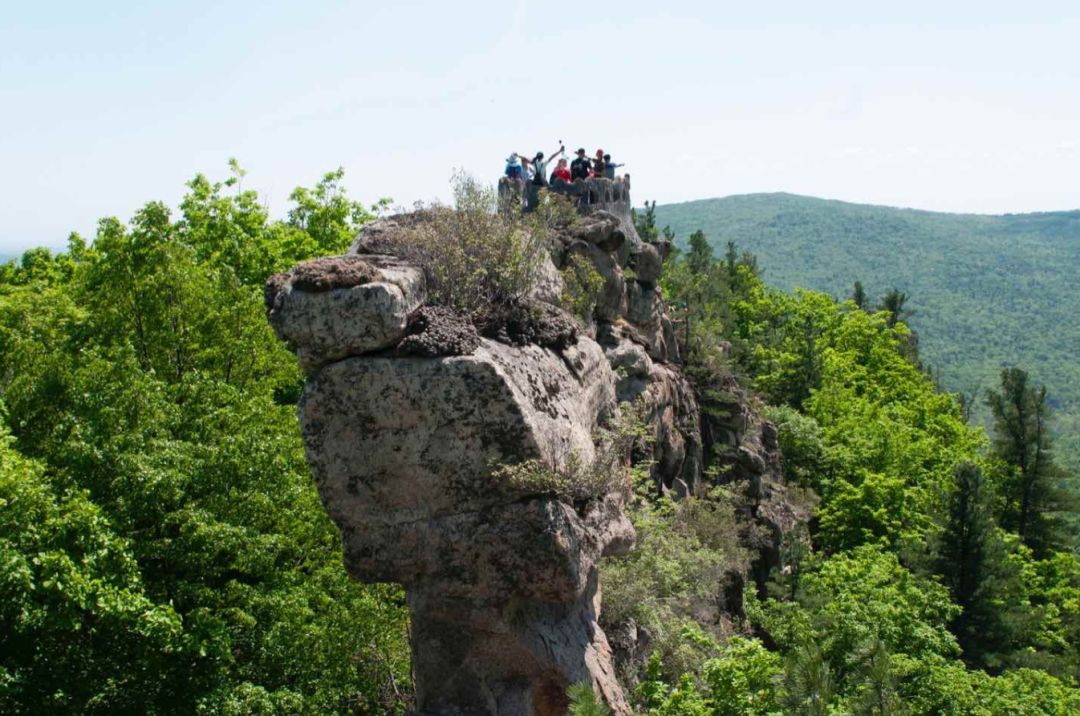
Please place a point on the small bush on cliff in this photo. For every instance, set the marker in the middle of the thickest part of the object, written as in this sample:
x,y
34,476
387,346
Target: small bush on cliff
x,y
583,701
477,259
609,472
686,555
582,284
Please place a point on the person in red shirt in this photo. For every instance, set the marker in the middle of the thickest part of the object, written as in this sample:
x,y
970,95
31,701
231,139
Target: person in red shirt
x,y
562,171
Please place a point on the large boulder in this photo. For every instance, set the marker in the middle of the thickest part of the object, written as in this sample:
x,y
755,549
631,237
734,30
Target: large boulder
x,y
601,228
331,308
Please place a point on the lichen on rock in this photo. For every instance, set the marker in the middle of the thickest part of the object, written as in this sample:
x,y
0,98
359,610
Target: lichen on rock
x,y
331,272
529,321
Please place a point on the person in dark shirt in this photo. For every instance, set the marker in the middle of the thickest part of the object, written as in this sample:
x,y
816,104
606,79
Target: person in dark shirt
x,y
580,168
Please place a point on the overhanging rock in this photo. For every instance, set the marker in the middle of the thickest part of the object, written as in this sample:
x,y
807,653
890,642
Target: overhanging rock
x,y
501,581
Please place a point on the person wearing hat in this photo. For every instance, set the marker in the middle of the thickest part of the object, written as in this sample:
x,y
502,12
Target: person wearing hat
x,y
580,168
514,171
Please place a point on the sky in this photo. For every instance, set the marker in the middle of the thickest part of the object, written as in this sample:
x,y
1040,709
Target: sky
x,y
958,106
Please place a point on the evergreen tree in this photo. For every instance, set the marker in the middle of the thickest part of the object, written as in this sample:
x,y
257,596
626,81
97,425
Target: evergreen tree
x,y
731,258
859,296
700,257
1022,440
809,679
967,553
962,546
893,302
645,222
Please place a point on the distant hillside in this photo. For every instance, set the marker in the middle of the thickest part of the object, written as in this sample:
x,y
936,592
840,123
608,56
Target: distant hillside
x,y
988,291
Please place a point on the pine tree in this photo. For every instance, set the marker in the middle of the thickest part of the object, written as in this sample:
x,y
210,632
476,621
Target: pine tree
x,y
731,258
583,701
809,681
968,554
1022,440
700,256
859,296
645,223
878,694
893,303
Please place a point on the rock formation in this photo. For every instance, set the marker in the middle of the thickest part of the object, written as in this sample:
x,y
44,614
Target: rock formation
x,y
409,410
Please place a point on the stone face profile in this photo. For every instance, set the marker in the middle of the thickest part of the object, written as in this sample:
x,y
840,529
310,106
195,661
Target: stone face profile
x,y
406,417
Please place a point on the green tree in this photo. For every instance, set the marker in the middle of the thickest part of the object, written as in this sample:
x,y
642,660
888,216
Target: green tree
x,y
809,681
894,304
326,214
699,258
1022,440
78,633
645,222
171,491
859,297
966,554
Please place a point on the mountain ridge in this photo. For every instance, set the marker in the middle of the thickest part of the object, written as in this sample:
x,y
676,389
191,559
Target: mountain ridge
x,y
845,202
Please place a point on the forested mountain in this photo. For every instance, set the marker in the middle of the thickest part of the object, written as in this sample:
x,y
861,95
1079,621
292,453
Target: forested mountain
x,y
986,291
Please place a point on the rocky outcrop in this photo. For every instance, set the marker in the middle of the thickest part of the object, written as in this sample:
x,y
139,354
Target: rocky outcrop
x,y
408,411
403,440
743,448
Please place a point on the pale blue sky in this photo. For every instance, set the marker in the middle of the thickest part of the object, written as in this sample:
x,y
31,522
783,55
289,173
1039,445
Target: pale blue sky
x,y
959,106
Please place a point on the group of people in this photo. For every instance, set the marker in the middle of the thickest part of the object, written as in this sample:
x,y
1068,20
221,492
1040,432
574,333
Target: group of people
x,y
520,169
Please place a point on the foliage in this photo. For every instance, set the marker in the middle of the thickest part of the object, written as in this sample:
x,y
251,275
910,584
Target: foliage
x,y
807,458
478,260
911,562
861,598
168,552
971,557
608,472
990,291
583,701
1022,441
742,680
77,629
582,284
686,554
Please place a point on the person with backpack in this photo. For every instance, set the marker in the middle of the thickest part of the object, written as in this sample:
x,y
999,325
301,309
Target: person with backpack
x,y
539,175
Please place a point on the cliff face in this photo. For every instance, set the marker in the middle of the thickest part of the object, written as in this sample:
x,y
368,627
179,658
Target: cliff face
x,y
407,413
